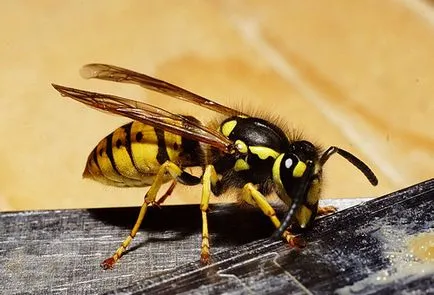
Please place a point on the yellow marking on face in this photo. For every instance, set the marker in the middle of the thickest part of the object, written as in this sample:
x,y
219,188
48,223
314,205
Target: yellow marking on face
x,y
242,116
228,127
263,152
299,169
240,165
241,146
303,216
276,171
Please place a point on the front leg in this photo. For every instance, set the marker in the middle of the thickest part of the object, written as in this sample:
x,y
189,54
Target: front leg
x,y
252,196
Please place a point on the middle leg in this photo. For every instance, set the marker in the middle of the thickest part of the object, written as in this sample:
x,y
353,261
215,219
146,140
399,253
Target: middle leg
x,y
209,181
177,174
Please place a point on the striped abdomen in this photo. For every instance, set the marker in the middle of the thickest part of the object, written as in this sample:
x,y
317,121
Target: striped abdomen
x,y
133,153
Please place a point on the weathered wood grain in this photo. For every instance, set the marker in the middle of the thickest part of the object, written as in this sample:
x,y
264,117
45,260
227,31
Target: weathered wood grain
x,y
58,252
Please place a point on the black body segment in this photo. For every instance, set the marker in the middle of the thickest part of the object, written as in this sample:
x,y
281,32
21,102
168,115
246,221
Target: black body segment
x,y
132,154
258,132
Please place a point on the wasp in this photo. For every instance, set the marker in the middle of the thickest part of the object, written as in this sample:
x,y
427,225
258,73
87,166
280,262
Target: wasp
x,y
247,153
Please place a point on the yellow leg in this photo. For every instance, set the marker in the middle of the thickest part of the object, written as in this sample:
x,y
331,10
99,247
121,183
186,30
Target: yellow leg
x,y
252,196
150,197
209,179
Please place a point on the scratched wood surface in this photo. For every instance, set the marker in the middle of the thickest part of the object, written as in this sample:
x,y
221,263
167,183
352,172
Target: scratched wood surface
x,y
362,249
357,74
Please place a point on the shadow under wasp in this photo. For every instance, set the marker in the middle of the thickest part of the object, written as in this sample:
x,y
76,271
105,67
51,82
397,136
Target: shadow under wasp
x,y
248,153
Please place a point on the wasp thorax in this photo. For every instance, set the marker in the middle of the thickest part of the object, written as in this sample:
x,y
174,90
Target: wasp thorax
x,y
241,146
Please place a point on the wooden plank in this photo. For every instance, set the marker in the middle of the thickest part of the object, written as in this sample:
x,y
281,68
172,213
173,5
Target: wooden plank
x,y
361,250
59,251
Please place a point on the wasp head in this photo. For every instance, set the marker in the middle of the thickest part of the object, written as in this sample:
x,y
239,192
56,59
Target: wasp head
x,y
297,175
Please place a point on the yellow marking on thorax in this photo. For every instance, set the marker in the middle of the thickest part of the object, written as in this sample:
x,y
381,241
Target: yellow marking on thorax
x,y
228,127
144,151
263,152
122,159
241,146
240,165
173,145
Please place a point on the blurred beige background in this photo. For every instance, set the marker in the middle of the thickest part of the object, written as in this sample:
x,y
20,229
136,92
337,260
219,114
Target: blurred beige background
x,y
356,74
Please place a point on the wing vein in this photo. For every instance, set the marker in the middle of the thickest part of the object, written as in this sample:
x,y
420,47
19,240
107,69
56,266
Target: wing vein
x,y
149,114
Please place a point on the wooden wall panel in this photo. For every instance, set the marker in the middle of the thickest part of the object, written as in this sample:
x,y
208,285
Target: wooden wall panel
x,y
356,74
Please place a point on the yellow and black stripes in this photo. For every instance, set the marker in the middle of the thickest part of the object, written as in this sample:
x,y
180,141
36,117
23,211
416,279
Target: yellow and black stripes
x,y
133,154
144,147
127,129
109,152
121,159
162,155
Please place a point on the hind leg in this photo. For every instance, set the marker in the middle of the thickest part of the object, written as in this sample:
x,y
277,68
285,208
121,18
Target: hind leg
x,y
177,174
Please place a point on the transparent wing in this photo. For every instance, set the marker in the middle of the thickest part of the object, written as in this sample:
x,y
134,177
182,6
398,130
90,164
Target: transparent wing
x,y
151,115
118,74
